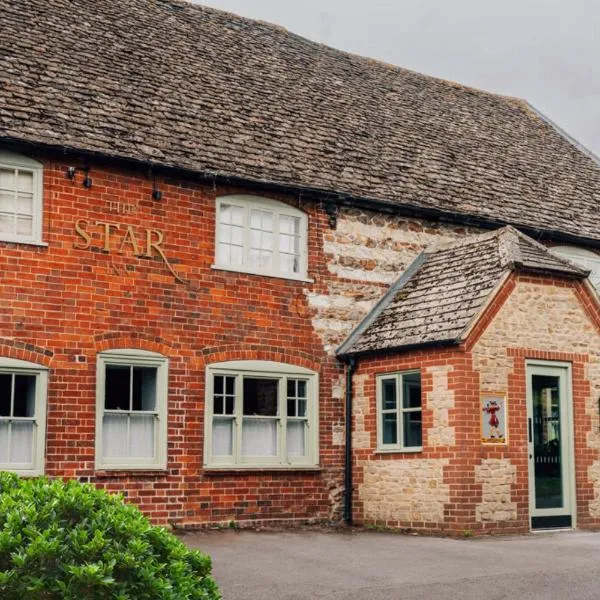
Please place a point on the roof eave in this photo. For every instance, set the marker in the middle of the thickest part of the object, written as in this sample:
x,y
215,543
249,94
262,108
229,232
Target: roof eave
x,y
338,197
398,349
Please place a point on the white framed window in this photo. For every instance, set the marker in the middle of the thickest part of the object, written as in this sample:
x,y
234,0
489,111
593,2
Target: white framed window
x,y
584,258
21,210
261,414
23,397
131,410
399,412
261,236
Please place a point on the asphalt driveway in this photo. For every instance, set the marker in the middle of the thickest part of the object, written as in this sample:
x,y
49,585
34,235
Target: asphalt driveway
x,y
368,565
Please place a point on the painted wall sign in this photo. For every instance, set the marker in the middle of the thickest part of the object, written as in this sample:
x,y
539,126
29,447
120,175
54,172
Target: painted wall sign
x,y
493,418
119,238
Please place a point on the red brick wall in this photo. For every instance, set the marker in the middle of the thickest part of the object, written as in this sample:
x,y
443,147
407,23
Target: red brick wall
x,y
61,305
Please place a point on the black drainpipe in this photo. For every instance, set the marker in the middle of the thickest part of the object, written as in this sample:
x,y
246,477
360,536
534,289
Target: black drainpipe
x,y
350,367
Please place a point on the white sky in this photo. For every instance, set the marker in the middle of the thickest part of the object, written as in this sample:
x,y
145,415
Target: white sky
x,y
547,51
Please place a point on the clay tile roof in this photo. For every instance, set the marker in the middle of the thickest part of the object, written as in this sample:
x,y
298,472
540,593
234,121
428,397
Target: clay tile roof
x,y
445,289
180,85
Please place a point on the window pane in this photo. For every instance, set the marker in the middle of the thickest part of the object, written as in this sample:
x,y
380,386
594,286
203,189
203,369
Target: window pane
x,y
260,396
24,400
144,388
25,203
295,440
218,405
114,436
289,225
302,389
230,385
4,426
259,437
224,254
25,181
141,430
291,388
229,405
291,408
301,407
389,394
21,442
412,390
226,214
7,223
412,429
218,384
390,431
117,388
7,179
222,438
5,392
24,225
7,198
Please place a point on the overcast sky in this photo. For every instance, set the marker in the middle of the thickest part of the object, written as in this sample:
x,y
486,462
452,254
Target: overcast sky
x,y
547,51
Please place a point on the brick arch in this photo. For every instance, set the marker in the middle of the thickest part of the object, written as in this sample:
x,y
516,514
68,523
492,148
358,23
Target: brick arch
x,y
135,341
256,352
25,351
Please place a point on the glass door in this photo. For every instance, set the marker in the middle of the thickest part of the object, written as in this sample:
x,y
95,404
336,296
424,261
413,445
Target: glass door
x,y
549,431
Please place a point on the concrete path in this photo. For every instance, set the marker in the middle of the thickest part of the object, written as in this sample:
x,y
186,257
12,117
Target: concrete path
x,y
337,565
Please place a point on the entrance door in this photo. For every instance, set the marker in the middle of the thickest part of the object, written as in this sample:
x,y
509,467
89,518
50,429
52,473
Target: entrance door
x,y
550,445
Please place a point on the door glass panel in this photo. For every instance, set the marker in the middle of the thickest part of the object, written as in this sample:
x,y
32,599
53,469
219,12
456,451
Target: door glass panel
x,y
548,466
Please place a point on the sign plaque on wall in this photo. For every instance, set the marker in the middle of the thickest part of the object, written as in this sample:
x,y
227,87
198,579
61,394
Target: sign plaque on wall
x,y
493,418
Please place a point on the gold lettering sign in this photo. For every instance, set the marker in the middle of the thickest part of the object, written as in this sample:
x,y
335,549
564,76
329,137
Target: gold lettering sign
x,y
126,239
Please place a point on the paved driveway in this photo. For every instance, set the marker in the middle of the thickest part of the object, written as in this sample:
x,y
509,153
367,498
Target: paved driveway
x,y
367,565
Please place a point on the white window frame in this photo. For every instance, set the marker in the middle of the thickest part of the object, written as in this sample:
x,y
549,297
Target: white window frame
x,y
247,203
9,160
271,370
21,367
400,412
142,358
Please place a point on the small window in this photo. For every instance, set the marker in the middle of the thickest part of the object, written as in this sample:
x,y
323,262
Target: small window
x,y
261,236
399,411
132,410
261,413
23,389
20,199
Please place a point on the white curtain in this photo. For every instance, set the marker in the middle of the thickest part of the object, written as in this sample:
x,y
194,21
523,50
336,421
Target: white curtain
x,y
4,442
259,437
21,442
141,430
114,436
295,438
222,439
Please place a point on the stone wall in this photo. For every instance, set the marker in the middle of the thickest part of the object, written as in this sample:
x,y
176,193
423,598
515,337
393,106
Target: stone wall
x,y
364,254
496,476
412,491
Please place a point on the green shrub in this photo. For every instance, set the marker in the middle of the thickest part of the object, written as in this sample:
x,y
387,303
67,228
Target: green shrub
x,y
67,540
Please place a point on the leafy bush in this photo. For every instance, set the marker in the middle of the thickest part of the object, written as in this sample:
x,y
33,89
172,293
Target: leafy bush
x,y
67,540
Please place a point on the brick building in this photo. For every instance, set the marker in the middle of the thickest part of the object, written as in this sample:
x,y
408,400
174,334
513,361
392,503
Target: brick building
x,y
197,210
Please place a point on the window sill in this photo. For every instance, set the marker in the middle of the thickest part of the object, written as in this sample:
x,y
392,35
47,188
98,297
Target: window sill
x,y
399,450
25,242
259,274
265,469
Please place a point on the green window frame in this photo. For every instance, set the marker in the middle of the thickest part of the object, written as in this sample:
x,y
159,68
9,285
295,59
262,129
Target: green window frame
x,y
399,412
260,414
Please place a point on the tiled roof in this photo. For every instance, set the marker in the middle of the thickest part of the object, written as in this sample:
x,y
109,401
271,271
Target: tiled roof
x,y
444,289
180,85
